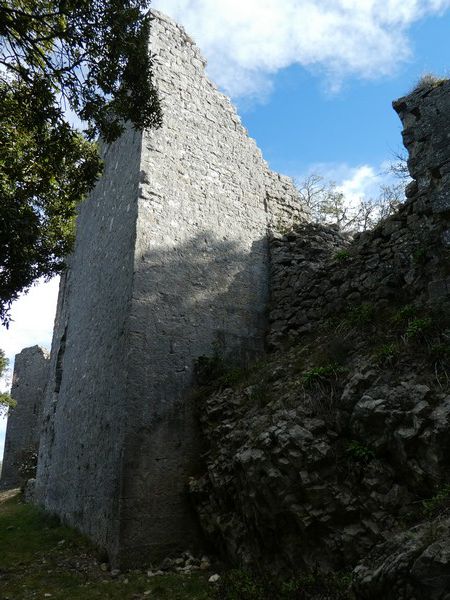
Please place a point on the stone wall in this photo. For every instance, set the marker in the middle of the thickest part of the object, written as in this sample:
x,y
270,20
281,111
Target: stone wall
x,y
79,472
171,262
332,454
23,427
316,273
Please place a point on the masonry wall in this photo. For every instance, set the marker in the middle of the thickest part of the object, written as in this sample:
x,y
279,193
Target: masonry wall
x,y
340,438
80,451
201,282
317,274
171,263
22,433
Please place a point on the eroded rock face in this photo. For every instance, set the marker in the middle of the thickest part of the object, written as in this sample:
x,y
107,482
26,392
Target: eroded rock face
x,y
322,457
299,483
413,564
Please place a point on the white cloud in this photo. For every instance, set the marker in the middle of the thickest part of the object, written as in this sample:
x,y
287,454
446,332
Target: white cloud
x,y
354,181
32,317
246,42
362,182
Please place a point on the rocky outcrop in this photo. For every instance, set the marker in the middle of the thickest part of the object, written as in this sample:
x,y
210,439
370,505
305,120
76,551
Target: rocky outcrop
x,y
414,564
312,475
326,456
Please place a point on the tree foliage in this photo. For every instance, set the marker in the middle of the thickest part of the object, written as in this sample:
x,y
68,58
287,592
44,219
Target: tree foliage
x,y
90,57
46,168
92,52
327,204
6,401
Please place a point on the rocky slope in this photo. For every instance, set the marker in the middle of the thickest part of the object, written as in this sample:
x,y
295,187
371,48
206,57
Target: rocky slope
x,y
333,454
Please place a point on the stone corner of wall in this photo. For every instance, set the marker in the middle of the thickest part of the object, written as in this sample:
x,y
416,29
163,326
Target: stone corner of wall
x,y
179,31
284,206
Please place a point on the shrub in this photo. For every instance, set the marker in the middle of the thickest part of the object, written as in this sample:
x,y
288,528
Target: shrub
x,y
359,452
439,502
6,403
317,374
440,351
404,314
342,255
418,327
386,353
362,314
429,80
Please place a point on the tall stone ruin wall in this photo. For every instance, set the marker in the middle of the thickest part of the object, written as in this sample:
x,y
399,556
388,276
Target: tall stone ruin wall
x,y
23,428
85,407
171,262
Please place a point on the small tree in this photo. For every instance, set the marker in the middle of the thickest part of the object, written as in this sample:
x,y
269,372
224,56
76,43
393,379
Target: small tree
x,y
329,205
399,167
324,201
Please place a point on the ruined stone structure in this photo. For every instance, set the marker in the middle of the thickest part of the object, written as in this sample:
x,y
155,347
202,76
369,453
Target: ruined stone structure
x,y
22,434
171,262
323,456
333,455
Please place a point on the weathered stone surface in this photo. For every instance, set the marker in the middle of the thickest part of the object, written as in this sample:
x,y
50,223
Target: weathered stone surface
x,y
316,272
412,564
171,262
322,456
319,456
296,480
23,428
426,135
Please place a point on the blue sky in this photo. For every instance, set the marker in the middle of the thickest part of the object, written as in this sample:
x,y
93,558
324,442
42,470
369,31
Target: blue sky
x,y
303,123
313,81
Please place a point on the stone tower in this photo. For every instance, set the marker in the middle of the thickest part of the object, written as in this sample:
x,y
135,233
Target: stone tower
x,y
170,263
22,433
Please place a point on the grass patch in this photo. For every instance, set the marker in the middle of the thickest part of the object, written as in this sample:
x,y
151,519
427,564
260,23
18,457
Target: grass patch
x,y
386,353
359,452
418,327
325,373
429,80
243,585
342,255
404,314
438,503
40,558
361,315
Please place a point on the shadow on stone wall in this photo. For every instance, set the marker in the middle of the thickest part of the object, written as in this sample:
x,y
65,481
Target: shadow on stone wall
x,y
201,297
